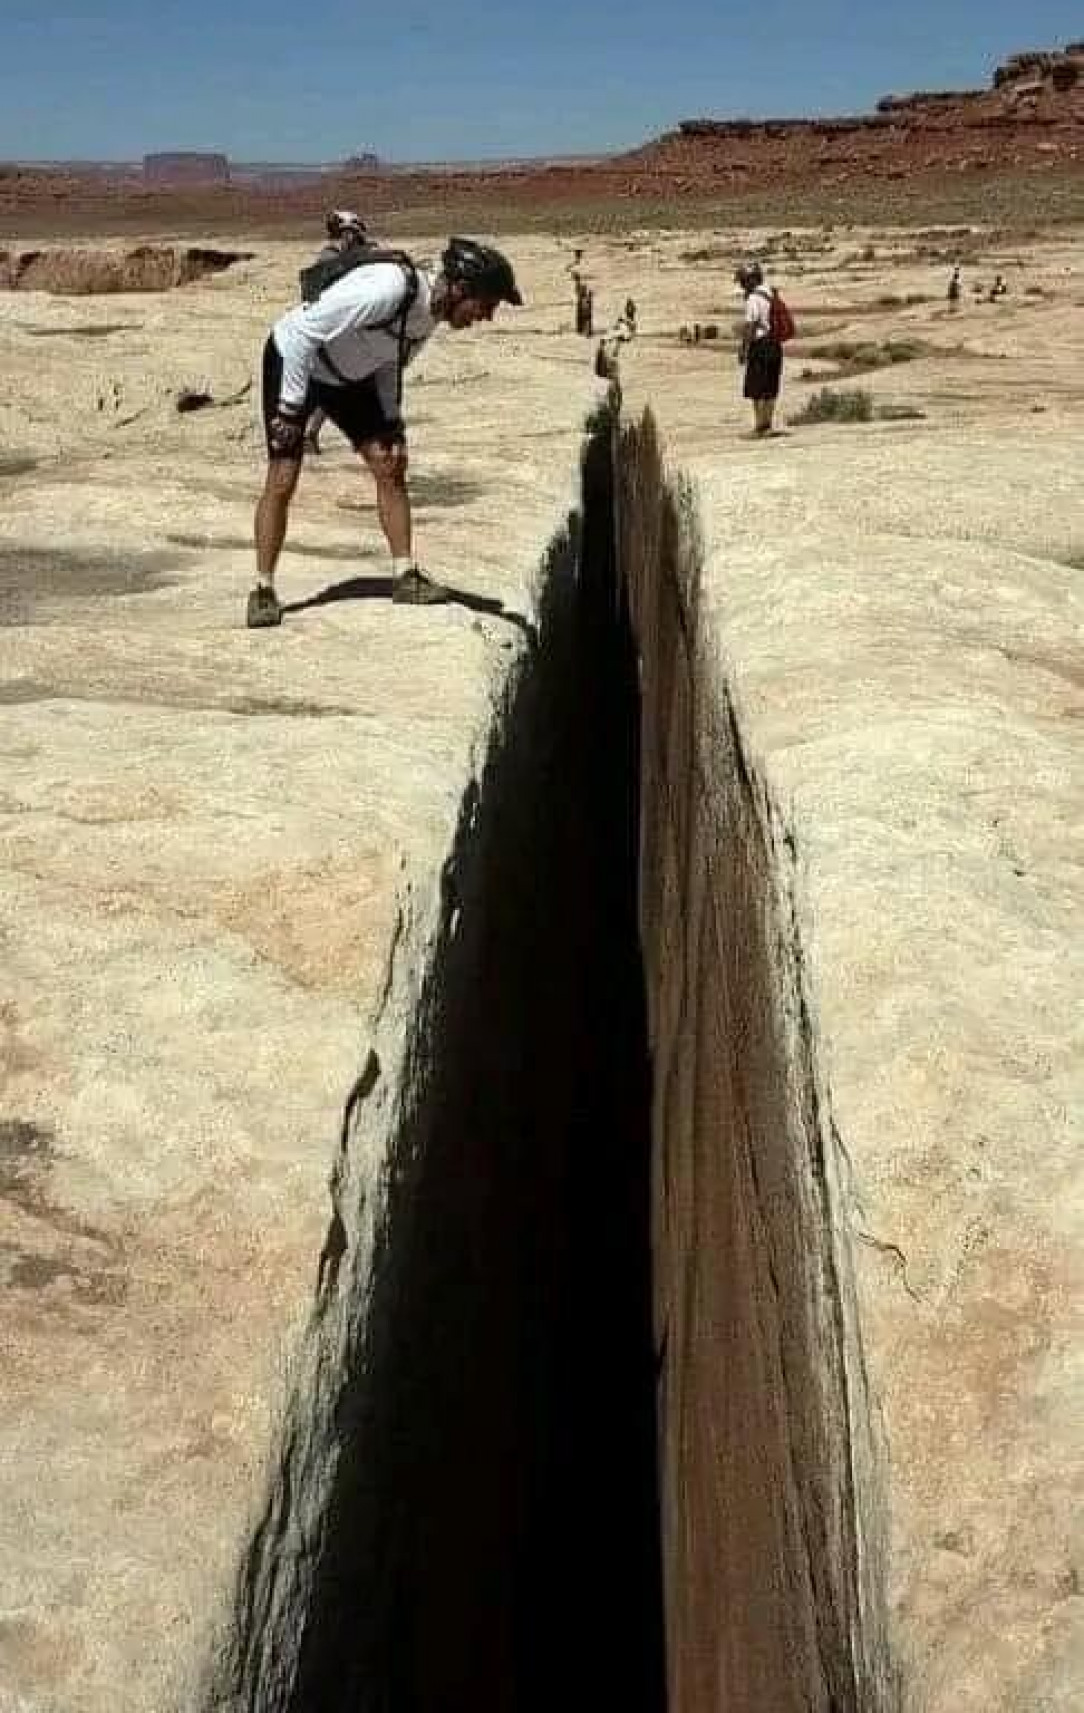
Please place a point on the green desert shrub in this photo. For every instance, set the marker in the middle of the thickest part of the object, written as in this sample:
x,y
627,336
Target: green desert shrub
x,y
852,404
856,357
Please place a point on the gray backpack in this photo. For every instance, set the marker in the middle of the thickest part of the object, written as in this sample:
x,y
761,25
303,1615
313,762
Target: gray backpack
x,y
327,270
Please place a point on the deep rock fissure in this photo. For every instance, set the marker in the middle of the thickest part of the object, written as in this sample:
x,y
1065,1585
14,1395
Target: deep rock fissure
x,y
582,1420
489,1536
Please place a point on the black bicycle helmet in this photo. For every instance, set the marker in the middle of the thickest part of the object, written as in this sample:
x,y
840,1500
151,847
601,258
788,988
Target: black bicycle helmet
x,y
483,270
750,275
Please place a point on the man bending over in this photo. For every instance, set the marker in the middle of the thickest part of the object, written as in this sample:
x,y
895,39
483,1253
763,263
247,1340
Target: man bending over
x,y
346,353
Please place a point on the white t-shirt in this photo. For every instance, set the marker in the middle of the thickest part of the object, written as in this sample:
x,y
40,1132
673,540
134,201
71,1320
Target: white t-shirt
x,y
346,319
758,313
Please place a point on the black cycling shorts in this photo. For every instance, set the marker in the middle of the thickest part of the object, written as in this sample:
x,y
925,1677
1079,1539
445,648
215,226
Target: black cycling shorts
x,y
355,408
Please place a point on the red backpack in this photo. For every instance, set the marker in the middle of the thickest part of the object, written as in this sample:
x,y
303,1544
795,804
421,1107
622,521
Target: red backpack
x,y
780,320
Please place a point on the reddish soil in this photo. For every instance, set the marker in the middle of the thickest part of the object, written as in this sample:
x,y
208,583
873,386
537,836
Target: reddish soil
x,y
1030,121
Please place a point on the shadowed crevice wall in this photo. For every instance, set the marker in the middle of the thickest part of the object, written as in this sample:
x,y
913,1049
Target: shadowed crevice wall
x,y
772,1518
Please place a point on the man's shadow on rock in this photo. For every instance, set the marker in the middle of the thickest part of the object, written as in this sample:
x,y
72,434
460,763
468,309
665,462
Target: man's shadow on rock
x,y
380,589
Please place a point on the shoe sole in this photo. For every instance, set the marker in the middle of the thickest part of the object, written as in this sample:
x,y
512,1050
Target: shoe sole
x,y
419,594
262,619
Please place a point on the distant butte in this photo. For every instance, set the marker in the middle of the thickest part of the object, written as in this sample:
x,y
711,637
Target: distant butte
x,y
186,167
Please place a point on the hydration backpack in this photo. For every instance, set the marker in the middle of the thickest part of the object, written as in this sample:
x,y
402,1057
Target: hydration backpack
x,y
780,320
330,265
328,270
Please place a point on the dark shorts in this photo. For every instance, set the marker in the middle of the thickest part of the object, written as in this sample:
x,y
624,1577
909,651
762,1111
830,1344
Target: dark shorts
x,y
355,409
764,369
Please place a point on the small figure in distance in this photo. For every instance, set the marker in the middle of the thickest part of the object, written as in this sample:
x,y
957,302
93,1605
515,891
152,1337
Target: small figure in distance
x,y
585,310
760,348
575,275
609,349
954,288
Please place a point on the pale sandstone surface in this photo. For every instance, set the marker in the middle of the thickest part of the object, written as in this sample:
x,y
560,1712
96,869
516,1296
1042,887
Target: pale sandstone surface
x,y
894,614
211,838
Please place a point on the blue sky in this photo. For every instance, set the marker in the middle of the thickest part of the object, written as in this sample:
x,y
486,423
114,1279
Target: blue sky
x,y
297,80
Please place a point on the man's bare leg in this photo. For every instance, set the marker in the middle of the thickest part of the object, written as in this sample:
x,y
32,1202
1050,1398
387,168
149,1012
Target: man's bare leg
x,y
272,516
388,462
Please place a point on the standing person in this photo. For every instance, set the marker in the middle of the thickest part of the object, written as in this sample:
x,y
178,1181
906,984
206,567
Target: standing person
x,y
581,292
955,288
585,310
346,231
346,352
760,350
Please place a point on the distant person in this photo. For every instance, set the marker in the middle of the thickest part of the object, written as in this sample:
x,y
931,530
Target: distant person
x,y
585,310
581,291
609,347
346,231
761,345
998,289
955,288
346,353
630,314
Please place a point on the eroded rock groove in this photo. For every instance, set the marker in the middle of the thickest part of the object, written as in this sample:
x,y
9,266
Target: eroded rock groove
x,y
489,1539
585,1369
772,1516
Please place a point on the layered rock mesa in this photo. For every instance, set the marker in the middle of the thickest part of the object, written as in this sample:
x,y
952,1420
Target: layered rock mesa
x,y
609,1319
186,167
1037,96
1032,119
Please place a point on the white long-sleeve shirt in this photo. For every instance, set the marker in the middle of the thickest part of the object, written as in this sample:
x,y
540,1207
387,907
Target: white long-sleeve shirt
x,y
758,314
345,318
